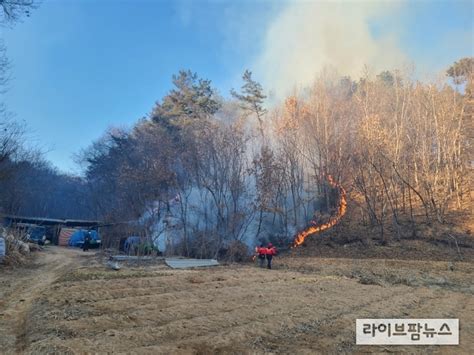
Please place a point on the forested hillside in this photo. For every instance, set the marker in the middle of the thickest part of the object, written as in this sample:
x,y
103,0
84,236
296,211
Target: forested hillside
x,y
238,169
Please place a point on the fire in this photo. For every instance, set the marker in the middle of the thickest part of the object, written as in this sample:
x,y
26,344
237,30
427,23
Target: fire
x,y
315,228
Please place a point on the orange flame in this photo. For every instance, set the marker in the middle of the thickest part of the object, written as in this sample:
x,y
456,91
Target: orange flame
x,y
315,228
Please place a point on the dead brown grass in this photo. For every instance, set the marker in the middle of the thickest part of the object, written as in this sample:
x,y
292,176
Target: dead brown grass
x,y
306,305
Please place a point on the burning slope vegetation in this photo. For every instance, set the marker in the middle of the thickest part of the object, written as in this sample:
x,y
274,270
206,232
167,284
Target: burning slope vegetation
x,y
208,175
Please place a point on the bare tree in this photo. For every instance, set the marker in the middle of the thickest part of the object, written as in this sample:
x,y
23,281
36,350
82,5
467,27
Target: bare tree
x,y
13,10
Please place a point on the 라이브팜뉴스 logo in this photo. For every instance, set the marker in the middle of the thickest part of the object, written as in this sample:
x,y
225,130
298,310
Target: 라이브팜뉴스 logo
x,y
407,331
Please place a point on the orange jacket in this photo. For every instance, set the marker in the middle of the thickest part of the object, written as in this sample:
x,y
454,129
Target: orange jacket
x,y
261,250
271,251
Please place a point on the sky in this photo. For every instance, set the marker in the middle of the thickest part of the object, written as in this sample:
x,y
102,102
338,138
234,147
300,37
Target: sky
x,y
80,67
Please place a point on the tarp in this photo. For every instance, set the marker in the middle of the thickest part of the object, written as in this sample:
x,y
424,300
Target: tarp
x,y
3,248
65,235
77,239
177,263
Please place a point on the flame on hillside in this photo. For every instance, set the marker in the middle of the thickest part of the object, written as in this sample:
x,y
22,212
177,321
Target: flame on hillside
x,y
315,228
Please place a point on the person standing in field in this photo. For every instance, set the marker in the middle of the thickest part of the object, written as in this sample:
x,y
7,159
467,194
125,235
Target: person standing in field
x,y
87,240
261,252
270,252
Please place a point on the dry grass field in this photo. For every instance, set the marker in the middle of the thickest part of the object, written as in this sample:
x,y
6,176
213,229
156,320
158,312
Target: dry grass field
x,y
68,302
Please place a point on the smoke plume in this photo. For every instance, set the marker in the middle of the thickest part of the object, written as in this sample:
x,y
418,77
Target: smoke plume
x,y
308,36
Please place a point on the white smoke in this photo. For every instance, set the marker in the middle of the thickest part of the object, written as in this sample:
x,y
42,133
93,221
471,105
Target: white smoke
x,y
308,36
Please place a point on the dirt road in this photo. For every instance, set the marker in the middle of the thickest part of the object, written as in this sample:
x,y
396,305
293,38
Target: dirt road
x,y
72,304
21,288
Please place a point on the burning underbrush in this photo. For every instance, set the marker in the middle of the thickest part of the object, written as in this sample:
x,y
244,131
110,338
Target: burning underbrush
x,y
344,234
355,241
316,227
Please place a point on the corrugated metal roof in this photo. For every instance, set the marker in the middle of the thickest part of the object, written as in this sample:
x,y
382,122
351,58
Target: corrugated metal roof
x,y
49,221
177,263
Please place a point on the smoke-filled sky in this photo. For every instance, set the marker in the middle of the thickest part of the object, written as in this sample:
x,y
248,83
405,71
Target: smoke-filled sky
x,y
80,66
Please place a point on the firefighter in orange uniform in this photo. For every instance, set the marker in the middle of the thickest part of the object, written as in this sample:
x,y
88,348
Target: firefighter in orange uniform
x,y
270,252
261,252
